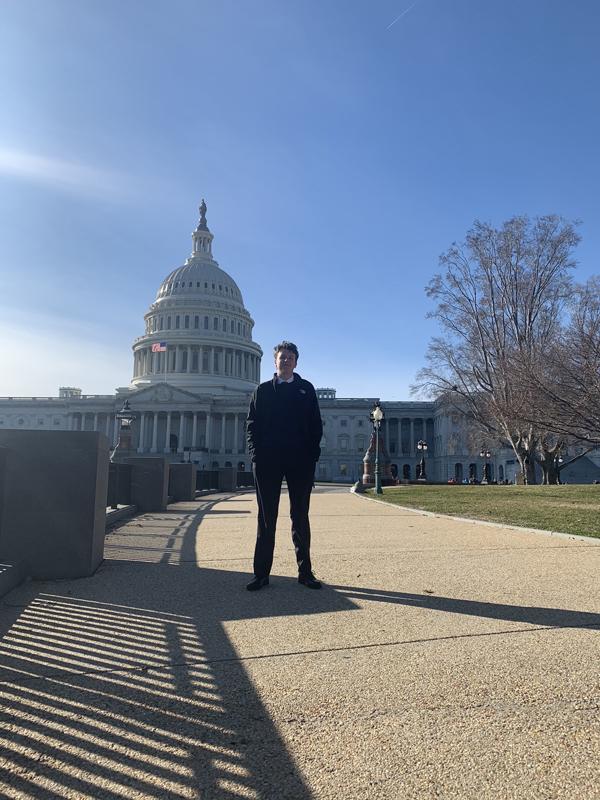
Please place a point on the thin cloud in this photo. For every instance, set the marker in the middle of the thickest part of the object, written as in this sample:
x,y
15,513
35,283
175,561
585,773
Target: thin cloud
x,y
402,15
63,175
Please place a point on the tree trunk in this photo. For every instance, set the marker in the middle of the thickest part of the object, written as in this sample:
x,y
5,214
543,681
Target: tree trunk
x,y
550,472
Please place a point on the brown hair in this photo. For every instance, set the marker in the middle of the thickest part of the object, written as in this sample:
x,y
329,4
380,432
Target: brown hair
x,y
286,346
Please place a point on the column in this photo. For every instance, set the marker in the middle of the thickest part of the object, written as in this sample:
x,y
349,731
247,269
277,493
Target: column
x,y
189,360
96,421
107,425
211,360
413,449
181,424
194,429
208,431
177,358
236,434
200,358
223,418
142,426
168,434
386,434
115,438
155,433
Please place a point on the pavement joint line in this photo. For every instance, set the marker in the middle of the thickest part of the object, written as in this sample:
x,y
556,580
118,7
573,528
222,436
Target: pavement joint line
x,y
593,540
287,654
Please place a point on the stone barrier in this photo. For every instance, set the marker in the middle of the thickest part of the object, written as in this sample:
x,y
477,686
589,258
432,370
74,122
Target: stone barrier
x,y
182,481
53,489
149,483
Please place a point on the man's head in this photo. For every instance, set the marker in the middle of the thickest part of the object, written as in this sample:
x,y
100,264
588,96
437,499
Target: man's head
x,y
286,357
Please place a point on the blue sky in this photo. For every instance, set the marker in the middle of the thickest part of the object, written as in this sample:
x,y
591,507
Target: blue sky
x,y
339,152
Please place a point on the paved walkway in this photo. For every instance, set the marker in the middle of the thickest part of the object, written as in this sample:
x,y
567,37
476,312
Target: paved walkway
x,y
442,660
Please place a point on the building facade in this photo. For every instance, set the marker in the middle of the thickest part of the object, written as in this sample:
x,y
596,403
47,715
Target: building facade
x,y
194,369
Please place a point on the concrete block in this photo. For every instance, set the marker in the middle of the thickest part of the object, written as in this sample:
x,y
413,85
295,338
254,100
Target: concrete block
x,y
149,483
227,479
182,481
53,501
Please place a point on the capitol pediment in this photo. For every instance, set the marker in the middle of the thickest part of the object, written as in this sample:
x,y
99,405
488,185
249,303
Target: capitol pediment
x,y
164,393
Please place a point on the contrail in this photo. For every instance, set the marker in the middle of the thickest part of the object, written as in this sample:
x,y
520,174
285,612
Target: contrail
x,y
401,15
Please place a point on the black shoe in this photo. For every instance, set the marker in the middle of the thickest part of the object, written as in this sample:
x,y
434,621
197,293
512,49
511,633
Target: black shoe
x,y
309,581
257,583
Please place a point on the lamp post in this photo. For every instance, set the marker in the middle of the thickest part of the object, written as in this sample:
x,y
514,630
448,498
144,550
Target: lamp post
x,y
485,453
376,417
124,443
422,448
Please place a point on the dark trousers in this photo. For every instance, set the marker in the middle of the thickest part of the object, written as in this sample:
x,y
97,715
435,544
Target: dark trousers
x,y
268,476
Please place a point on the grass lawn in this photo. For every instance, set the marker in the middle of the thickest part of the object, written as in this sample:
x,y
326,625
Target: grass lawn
x,y
570,509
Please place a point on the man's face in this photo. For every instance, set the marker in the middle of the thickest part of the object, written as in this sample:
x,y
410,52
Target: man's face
x,y
285,361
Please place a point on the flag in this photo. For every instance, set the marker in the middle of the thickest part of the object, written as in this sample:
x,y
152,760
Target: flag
x,y
159,347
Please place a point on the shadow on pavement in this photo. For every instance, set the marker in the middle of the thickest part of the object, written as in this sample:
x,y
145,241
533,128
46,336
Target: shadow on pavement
x,y
532,615
126,685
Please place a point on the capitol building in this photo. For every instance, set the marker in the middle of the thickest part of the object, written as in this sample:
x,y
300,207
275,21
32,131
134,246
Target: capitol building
x,y
194,369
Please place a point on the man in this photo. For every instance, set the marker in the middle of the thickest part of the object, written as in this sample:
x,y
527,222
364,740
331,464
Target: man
x,y
284,430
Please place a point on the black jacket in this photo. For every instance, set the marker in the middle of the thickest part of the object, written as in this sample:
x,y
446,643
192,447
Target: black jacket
x,y
302,407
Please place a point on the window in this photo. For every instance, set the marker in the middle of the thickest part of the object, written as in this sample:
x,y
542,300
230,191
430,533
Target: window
x,y
196,321
161,323
40,421
186,321
239,329
225,325
177,321
205,323
232,326
344,423
216,324
56,421
168,323
360,423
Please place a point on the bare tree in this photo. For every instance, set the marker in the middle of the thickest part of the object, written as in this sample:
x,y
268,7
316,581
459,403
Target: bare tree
x,y
500,300
567,386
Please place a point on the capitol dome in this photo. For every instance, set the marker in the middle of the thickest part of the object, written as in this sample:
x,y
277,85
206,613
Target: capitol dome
x,y
198,334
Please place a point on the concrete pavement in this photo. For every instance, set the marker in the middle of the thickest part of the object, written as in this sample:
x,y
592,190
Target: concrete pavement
x,y
442,659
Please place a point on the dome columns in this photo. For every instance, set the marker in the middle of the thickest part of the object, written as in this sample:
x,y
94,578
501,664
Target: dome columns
x,y
192,359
